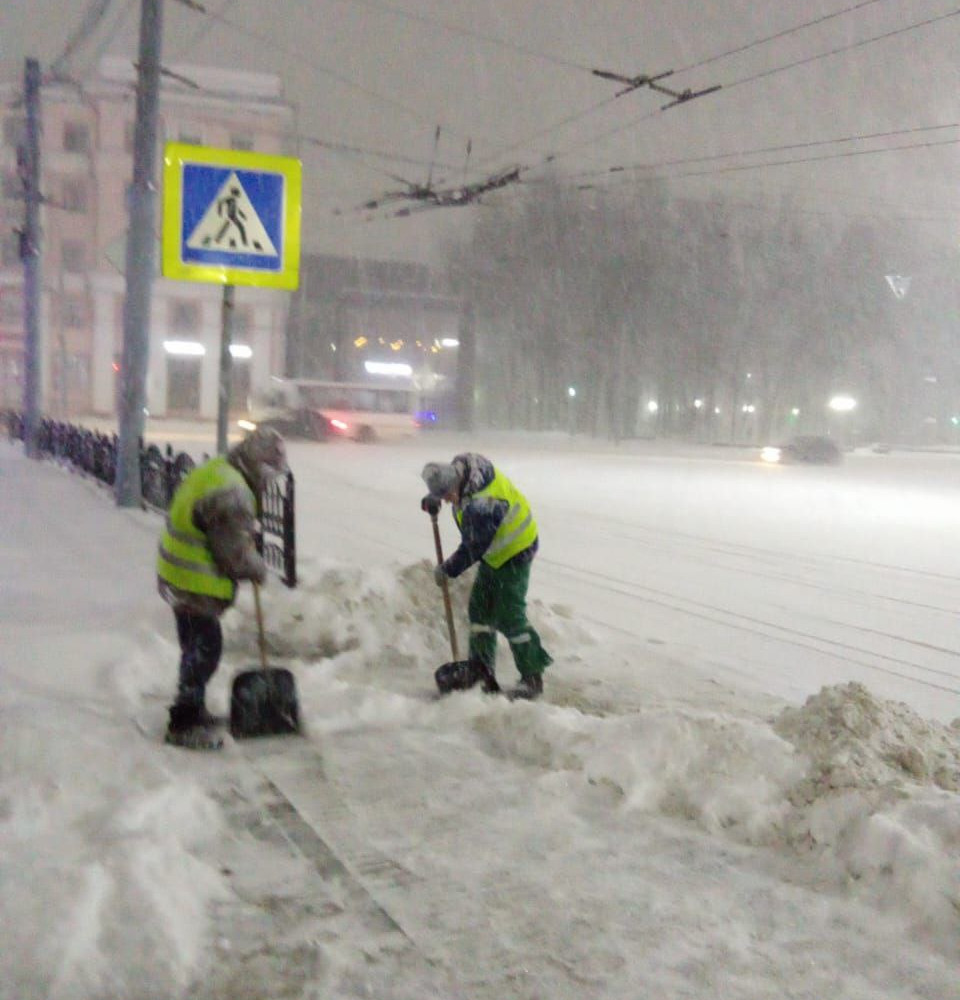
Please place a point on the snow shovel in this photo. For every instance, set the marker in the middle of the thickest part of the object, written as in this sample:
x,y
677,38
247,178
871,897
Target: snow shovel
x,y
458,675
263,701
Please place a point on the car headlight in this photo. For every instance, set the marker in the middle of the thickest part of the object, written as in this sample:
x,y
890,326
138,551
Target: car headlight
x,y
770,454
247,425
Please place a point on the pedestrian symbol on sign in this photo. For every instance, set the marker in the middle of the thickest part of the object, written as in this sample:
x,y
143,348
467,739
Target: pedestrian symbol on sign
x,y
231,216
231,223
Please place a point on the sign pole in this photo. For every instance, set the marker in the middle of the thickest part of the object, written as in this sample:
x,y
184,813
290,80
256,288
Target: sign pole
x,y
226,339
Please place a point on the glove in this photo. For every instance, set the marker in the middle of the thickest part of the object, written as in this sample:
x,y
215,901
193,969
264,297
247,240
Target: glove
x,y
430,504
439,574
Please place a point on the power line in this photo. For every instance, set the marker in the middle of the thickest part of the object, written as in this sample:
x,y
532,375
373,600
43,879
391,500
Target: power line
x,y
759,166
112,32
777,35
710,59
522,49
593,140
480,36
790,162
91,20
204,30
843,48
760,150
302,55
334,146
340,147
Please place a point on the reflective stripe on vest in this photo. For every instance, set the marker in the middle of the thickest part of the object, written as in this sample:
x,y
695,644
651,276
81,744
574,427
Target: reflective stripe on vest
x,y
184,559
517,531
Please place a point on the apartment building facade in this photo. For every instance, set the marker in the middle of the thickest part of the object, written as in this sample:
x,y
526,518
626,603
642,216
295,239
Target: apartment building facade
x,y
86,170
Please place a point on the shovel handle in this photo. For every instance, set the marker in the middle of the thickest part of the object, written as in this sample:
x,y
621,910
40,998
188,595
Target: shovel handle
x,y
446,590
260,635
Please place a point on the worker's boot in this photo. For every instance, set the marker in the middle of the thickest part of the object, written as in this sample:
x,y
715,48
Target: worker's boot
x,y
528,689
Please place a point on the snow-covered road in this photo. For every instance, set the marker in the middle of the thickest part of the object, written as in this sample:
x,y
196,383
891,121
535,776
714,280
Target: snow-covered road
x,y
781,578
673,819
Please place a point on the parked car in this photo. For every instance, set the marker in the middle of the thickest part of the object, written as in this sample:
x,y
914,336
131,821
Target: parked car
x,y
814,449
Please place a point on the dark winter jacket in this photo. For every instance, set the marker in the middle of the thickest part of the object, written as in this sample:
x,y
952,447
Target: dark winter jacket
x,y
228,521
480,516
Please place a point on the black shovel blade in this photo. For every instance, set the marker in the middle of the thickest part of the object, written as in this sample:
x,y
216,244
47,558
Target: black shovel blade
x,y
264,702
461,675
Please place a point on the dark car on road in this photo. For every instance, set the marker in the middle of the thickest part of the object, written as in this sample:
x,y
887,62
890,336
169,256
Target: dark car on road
x,y
814,449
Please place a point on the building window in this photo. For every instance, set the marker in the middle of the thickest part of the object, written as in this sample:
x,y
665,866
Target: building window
x,y
244,142
184,316
72,256
76,138
10,250
74,197
74,311
14,131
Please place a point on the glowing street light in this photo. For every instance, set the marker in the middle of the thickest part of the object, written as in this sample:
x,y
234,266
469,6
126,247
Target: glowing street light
x,y
842,404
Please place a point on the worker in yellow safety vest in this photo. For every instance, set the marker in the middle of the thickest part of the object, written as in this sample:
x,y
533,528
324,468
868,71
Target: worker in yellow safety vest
x,y
497,531
208,543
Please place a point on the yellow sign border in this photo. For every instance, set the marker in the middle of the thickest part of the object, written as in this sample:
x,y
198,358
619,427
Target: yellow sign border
x,y
175,155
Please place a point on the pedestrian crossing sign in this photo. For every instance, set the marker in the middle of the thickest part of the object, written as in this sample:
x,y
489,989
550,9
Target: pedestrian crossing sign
x,y
231,217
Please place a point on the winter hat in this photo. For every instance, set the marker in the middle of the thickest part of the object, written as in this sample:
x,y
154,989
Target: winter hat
x,y
262,452
440,477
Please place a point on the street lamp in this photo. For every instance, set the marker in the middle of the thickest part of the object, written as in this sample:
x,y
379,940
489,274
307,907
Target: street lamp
x,y
842,404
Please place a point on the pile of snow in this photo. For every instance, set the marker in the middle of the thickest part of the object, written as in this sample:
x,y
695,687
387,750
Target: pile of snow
x,y
877,807
857,741
381,627
856,793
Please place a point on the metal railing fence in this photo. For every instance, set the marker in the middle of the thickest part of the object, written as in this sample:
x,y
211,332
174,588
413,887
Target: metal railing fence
x,y
161,472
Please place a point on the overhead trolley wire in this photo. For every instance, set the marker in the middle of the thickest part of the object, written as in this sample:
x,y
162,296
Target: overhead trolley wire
x,y
777,35
562,123
761,150
267,40
91,20
593,140
780,163
481,36
842,48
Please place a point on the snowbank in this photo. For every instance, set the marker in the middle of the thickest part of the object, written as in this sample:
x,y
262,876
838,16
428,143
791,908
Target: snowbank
x,y
856,793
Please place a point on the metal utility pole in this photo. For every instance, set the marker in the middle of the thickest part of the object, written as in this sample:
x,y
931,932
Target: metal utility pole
x,y
141,252
28,164
226,339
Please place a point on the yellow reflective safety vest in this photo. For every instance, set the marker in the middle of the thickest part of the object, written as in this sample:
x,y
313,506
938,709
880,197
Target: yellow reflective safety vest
x,y
518,529
184,559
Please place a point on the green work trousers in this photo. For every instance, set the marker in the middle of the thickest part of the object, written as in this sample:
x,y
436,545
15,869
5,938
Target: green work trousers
x,y
498,603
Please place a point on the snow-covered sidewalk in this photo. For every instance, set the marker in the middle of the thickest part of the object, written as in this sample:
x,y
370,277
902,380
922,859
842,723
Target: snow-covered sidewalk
x,y
642,832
